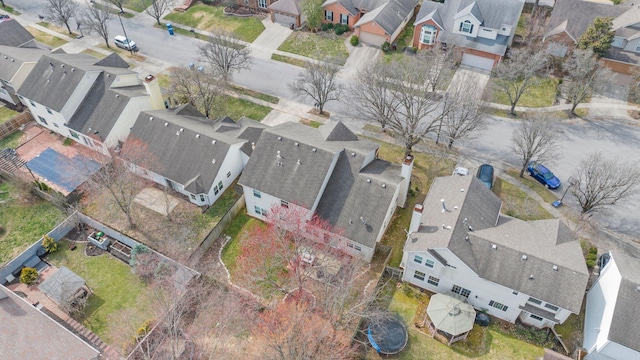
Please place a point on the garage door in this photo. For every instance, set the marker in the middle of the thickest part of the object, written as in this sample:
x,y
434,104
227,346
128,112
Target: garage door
x,y
284,19
477,61
372,39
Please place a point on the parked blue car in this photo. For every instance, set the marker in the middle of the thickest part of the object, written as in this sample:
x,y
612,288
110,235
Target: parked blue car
x,y
543,175
485,175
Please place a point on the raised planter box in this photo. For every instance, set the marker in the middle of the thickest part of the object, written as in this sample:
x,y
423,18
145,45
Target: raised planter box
x,y
99,239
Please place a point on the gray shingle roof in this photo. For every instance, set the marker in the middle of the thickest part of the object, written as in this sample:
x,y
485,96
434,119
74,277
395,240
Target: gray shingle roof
x,y
186,158
51,84
356,6
287,6
494,13
579,15
62,285
22,323
389,15
625,323
15,58
546,242
13,34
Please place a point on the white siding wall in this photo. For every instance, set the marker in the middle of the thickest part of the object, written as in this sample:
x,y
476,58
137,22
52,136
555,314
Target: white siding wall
x,y
232,163
601,301
482,290
368,158
127,118
53,119
79,93
505,30
4,95
618,352
387,217
472,19
487,33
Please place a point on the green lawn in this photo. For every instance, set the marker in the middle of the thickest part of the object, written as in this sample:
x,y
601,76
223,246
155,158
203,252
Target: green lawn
x,y
135,5
404,39
517,203
312,123
235,108
211,18
223,204
115,289
426,167
46,38
6,114
288,60
488,343
255,94
241,223
11,141
541,95
316,46
11,10
25,219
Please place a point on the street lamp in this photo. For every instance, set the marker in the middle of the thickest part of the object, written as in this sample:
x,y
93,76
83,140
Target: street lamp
x,y
125,32
572,182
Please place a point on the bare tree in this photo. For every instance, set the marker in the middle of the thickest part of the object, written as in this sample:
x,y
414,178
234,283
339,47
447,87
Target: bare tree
x,y
156,8
319,82
199,86
96,19
118,3
586,75
371,95
601,183
519,73
418,109
61,11
464,113
2,3
225,54
535,29
535,138
121,179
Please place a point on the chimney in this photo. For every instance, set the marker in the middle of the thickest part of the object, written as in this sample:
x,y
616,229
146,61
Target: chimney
x,y
153,89
416,217
405,172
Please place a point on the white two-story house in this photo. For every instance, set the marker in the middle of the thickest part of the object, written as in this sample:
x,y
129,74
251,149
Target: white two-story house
x,y
611,325
330,173
483,29
191,154
458,241
93,101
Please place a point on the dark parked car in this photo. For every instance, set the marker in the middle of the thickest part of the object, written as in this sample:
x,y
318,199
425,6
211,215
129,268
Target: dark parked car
x,y
543,175
485,175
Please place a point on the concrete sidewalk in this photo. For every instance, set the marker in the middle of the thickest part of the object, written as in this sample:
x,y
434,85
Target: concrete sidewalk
x,y
271,38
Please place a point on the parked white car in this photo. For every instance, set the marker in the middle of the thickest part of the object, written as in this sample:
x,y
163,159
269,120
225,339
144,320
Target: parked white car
x,y
124,43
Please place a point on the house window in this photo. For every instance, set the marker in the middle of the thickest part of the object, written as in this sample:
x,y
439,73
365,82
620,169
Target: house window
x,y
229,174
246,2
32,103
74,134
49,111
461,291
20,97
328,15
498,306
215,190
536,317
515,293
428,34
193,197
262,4
257,210
535,301
417,259
42,120
201,198
466,27
56,125
428,263
419,275
344,19
350,245
257,194
433,281
220,185
551,307
357,247
264,212
284,204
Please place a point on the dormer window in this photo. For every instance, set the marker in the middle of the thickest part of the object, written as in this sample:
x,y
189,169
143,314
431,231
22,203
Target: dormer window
x,y
466,27
428,34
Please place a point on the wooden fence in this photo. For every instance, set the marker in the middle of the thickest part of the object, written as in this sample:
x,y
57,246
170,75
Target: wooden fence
x,y
9,127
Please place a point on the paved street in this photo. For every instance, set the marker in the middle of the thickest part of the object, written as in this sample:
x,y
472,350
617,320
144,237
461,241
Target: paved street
x,y
616,139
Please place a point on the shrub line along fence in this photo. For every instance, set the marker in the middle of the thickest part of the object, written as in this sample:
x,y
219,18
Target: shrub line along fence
x,y
67,225
12,125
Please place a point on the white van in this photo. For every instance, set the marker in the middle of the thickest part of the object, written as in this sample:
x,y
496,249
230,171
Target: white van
x,y
123,42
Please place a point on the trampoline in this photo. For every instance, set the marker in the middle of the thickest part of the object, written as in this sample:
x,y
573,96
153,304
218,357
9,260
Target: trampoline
x,y
388,336
67,173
